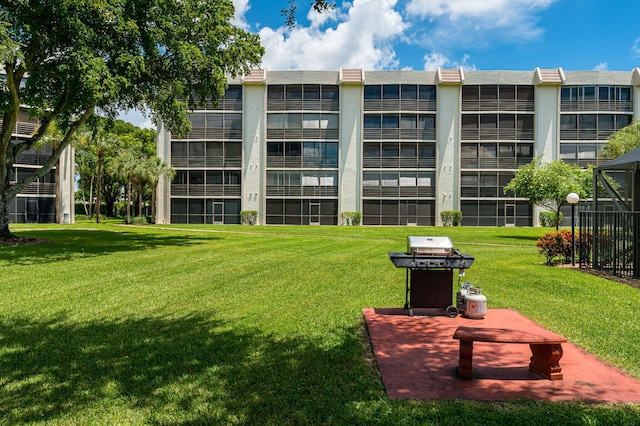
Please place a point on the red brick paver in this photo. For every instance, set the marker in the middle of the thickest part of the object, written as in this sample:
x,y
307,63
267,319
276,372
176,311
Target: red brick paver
x,y
417,357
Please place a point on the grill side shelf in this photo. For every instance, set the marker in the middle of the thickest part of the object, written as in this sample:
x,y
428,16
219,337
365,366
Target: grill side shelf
x,y
455,261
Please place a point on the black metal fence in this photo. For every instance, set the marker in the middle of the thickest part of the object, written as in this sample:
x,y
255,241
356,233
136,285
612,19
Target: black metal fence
x,y
609,242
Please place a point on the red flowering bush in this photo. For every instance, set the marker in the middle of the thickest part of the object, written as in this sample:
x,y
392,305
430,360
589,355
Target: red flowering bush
x,y
554,244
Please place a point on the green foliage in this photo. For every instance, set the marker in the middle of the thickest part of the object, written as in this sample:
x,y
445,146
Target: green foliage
x,y
228,325
139,220
548,219
249,217
623,141
554,244
351,218
548,184
451,217
67,59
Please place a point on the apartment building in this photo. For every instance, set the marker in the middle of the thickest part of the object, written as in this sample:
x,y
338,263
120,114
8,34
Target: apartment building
x,y
50,199
302,147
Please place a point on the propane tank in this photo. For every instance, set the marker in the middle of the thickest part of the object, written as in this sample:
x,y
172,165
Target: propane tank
x,y
476,303
461,295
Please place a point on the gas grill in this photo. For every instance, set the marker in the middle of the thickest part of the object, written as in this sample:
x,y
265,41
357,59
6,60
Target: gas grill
x,y
429,263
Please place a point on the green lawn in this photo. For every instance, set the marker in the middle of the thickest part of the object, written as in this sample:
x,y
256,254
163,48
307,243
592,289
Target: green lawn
x,y
108,324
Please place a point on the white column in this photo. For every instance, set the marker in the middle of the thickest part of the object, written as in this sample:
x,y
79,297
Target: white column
x,y
547,133
163,201
66,186
253,146
350,176
447,150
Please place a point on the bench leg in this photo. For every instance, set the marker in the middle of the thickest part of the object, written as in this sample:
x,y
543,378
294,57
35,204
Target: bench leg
x,y
465,364
545,360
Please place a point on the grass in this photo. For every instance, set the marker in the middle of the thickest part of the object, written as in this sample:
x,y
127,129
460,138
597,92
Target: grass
x,y
108,324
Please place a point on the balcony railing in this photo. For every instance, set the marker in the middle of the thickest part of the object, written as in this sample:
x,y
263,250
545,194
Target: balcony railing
x,y
398,191
398,162
400,134
204,190
498,105
301,191
495,163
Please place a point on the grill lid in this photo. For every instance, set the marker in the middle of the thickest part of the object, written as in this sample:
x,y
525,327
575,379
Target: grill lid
x,y
441,246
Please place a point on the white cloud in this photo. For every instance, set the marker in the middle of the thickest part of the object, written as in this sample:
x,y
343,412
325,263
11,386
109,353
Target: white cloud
x,y
476,22
435,60
241,7
601,66
362,38
636,47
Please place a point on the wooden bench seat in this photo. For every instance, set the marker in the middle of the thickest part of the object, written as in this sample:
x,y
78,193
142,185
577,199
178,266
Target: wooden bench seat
x,y
546,348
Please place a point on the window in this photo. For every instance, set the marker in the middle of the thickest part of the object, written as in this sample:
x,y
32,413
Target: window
x,y
391,92
275,121
390,121
372,93
409,91
293,121
311,92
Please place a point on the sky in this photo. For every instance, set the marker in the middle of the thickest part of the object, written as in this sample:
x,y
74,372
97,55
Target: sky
x,y
426,34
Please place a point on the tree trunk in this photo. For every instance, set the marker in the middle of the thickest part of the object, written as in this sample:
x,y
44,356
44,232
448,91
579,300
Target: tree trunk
x,y
128,201
154,187
99,189
140,200
5,233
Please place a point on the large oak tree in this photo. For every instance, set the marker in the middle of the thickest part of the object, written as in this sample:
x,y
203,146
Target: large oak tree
x,y
68,59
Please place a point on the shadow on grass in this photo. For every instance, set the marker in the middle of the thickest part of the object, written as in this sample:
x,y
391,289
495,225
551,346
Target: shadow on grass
x,y
195,370
174,371
61,245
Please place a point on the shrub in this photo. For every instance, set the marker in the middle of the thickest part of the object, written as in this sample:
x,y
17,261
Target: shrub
x,y
554,244
139,220
451,217
351,218
249,217
548,219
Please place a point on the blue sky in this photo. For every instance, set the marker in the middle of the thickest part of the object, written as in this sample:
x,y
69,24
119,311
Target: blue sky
x,y
426,34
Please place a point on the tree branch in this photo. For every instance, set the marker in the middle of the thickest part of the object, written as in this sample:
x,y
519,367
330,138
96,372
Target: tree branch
x,y
51,162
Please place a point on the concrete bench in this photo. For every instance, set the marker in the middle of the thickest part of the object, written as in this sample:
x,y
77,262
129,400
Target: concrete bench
x,y
546,348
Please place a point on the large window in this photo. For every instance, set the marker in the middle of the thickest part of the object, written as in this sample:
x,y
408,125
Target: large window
x,y
497,98
303,125
496,213
206,154
497,126
397,97
302,183
404,154
399,126
398,184
591,126
215,125
205,210
198,183
596,98
308,97
398,212
302,154
496,155
302,212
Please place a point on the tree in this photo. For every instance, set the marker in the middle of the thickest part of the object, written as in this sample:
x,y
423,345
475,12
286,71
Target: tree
x,y
153,169
320,6
547,185
624,140
68,59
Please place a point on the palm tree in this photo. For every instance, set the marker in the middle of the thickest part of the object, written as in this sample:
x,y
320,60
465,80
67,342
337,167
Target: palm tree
x,y
127,165
154,168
